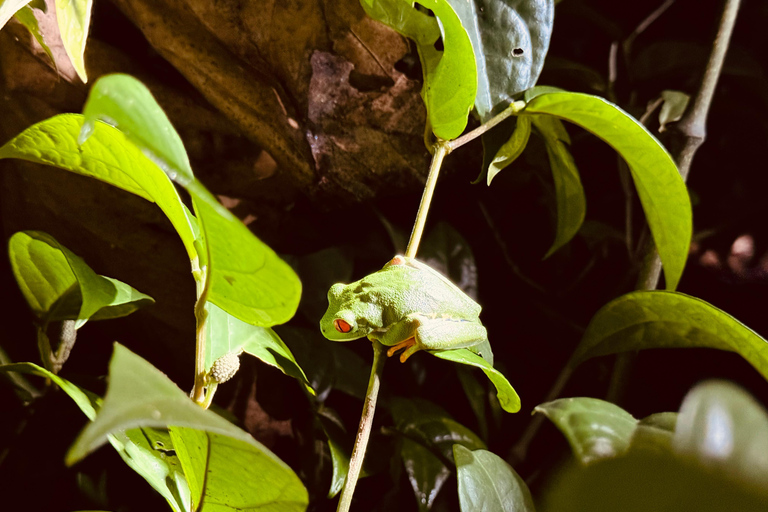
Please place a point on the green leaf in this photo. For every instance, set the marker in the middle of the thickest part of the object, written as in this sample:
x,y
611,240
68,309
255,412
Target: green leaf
x,y
426,472
477,396
673,108
224,334
651,481
158,468
724,429
571,202
661,319
139,395
46,272
247,279
508,398
108,156
26,17
225,473
8,8
125,103
340,461
87,402
595,429
74,18
150,453
429,436
450,78
510,150
488,483
658,183
510,39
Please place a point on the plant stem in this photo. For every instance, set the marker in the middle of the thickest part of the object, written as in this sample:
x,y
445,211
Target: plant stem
x,y
364,430
688,135
514,108
441,149
201,315
690,132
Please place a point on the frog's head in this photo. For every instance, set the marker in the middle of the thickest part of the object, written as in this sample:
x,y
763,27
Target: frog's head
x,y
346,318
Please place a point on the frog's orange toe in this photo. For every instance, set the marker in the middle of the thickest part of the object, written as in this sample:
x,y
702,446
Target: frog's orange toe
x,y
408,345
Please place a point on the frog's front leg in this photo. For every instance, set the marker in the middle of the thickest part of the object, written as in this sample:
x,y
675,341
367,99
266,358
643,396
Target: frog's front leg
x,y
420,332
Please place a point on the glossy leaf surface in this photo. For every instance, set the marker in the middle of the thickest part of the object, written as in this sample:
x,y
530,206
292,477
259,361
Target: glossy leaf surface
x,y
489,484
108,156
125,103
247,279
724,429
659,186
661,319
510,39
46,272
231,474
74,19
429,435
508,398
450,77
511,149
224,334
595,429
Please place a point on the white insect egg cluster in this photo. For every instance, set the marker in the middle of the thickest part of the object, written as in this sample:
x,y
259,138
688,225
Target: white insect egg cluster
x,y
225,367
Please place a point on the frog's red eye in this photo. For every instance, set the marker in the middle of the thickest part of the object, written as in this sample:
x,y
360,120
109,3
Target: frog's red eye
x,y
341,325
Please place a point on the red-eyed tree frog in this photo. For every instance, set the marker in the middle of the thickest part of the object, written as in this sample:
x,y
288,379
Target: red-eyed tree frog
x,y
406,306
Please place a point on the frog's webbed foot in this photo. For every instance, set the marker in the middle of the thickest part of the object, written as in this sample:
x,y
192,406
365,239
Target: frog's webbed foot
x,y
410,346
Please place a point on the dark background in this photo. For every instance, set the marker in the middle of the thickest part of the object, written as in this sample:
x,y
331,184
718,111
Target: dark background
x,y
533,327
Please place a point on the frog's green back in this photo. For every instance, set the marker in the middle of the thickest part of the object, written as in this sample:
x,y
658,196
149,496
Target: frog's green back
x,y
417,288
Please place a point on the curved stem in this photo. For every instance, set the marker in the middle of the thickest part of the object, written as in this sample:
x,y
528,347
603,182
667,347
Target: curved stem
x,y
364,430
441,149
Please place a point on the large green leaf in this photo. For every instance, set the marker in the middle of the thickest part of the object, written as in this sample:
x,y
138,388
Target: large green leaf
x,y
597,429
10,7
139,395
46,272
231,474
510,39
658,183
224,334
429,436
724,429
247,279
450,77
74,17
126,103
488,483
508,398
571,202
661,319
108,156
